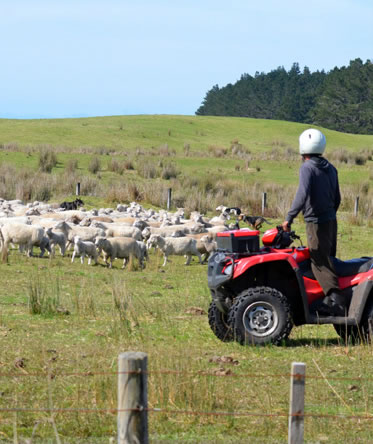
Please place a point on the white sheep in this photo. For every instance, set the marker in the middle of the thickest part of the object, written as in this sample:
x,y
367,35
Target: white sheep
x,y
117,247
24,235
118,230
168,230
56,238
84,248
179,246
85,233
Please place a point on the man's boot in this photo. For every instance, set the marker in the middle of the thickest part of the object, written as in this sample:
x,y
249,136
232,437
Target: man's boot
x,y
336,303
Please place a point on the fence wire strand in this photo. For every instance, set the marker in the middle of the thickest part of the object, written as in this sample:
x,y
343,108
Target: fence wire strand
x,y
183,373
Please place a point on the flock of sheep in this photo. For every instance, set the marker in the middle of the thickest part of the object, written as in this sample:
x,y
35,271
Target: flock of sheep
x,y
121,233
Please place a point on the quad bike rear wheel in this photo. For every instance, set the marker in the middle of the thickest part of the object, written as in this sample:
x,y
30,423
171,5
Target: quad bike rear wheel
x,y
260,315
219,323
358,333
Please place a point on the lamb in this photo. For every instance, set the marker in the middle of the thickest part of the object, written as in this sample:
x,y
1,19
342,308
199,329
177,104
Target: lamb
x,y
56,238
180,246
43,245
84,248
206,245
24,235
142,253
85,233
118,247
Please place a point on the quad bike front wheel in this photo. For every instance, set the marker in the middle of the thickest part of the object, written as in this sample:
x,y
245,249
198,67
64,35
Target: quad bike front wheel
x,y
260,315
219,323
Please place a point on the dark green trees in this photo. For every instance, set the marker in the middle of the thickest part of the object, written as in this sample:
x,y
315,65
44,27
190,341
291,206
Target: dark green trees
x,y
341,99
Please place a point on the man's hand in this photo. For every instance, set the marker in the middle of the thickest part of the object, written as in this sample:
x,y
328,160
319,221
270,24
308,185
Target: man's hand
x,y
286,226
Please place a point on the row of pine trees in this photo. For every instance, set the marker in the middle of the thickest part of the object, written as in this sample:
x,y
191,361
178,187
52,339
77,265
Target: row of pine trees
x,y
341,99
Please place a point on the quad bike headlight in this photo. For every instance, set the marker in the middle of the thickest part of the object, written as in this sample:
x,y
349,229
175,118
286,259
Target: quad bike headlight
x,y
228,269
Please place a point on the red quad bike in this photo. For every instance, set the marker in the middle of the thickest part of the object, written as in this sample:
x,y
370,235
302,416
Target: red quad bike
x,y
258,294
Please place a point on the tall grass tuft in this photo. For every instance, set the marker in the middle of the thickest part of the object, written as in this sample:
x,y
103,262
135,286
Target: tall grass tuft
x,y
47,160
115,167
43,299
71,166
94,165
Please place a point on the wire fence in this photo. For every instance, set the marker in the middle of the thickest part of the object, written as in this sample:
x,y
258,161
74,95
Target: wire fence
x,y
142,407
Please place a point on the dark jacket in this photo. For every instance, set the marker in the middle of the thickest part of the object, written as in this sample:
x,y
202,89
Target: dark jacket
x,y
318,195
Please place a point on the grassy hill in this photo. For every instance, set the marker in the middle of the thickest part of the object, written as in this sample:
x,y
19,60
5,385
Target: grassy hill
x,y
130,132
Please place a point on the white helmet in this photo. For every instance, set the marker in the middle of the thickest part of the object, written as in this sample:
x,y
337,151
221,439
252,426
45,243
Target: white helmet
x,y
312,141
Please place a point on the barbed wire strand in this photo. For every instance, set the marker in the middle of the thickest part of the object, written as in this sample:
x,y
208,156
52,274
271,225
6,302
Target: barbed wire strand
x,y
189,412
183,373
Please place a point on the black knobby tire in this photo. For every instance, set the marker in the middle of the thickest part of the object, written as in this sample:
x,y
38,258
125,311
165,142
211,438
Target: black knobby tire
x,y
218,322
358,333
260,315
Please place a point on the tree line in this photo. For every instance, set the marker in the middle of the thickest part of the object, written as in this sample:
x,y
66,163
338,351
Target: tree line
x,y
341,99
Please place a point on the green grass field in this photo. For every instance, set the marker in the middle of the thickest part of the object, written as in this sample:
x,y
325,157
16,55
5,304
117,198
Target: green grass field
x,y
66,356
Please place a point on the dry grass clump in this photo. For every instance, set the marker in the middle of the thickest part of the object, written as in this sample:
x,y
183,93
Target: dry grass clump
x,y
342,155
128,164
71,166
94,165
125,192
169,171
115,167
47,160
13,146
147,169
239,150
217,151
165,151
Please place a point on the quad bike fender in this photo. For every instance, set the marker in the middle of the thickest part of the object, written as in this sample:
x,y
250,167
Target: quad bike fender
x,y
359,300
251,261
243,265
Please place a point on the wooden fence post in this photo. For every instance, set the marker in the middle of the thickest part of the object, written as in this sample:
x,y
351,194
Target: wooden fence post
x,y
169,192
77,189
132,398
296,410
264,202
356,209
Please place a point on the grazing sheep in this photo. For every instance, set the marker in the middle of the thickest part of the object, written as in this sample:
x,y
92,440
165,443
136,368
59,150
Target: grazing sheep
x,y
179,246
24,235
117,247
84,248
56,238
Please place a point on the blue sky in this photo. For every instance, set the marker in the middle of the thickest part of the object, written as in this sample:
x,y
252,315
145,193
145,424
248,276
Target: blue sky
x,y
77,58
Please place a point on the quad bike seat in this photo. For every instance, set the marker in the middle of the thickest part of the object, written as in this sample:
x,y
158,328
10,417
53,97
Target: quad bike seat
x,y
342,268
